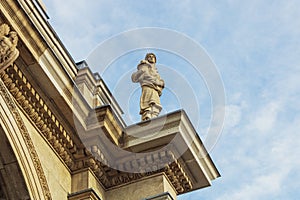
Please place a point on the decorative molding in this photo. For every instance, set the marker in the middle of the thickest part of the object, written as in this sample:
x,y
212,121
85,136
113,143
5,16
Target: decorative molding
x,y
178,177
8,46
35,107
34,156
154,163
77,158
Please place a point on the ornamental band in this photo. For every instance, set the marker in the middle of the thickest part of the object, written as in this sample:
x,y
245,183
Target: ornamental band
x,y
152,86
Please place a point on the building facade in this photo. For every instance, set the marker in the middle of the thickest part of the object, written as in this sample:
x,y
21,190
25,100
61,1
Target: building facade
x,y
61,131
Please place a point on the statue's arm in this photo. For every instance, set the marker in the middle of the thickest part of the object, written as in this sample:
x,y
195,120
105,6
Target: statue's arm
x,y
140,74
136,76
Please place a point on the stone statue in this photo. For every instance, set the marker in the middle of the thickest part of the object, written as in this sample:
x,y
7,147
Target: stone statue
x,y
152,86
8,46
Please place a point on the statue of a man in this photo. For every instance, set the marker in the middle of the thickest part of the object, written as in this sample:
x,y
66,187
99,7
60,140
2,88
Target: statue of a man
x,y
152,86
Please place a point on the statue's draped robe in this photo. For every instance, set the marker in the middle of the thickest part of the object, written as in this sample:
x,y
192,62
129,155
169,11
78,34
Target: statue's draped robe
x,y
152,86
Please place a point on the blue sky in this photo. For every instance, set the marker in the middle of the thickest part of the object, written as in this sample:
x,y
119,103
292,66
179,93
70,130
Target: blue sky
x,y
255,46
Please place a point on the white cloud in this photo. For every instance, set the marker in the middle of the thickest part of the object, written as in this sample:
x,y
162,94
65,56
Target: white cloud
x,y
266,117
233,116
274,161
259,187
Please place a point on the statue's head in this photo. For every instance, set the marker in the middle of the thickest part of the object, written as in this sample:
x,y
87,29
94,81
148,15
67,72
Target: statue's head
x,y
13,36
150,57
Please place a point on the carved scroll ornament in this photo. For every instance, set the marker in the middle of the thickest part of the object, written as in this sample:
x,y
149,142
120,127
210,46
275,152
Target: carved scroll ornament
x,y
8,47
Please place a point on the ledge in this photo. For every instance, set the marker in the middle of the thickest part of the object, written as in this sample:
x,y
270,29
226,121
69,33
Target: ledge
x,y
174,133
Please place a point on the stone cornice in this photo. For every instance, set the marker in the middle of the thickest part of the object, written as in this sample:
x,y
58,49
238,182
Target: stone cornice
x,y
175,133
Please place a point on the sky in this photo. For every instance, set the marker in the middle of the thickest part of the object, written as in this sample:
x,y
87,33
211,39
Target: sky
x,y
255,46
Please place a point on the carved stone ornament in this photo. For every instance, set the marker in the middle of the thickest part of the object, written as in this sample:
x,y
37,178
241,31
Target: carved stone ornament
x,y
4,82
8,46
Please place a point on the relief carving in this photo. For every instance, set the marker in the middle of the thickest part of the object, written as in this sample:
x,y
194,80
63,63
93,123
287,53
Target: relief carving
x,y
8,46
